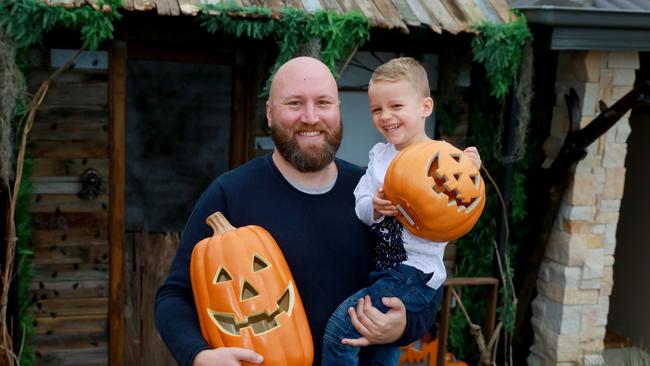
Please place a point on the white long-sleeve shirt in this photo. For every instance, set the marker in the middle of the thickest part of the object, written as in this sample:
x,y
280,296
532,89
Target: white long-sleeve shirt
x,y
423,254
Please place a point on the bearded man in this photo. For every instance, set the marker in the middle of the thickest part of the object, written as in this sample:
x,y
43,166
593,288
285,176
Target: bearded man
x,y
303,196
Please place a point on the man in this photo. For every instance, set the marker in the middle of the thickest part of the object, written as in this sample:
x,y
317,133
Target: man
x,y
303,196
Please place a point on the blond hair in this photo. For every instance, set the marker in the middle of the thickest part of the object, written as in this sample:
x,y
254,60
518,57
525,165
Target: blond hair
x,y
403,68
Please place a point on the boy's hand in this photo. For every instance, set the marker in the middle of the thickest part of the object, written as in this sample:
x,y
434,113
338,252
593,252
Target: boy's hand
x,y
473,155
382,206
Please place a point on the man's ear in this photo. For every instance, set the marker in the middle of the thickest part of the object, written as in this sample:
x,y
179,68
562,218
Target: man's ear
x,y
269,113
427,107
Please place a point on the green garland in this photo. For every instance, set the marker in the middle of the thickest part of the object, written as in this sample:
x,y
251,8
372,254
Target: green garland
x,y
499,47
339,34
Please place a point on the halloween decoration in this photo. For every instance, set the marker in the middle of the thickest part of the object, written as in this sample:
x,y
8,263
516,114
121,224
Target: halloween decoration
x,y
438,192
246,297
425,354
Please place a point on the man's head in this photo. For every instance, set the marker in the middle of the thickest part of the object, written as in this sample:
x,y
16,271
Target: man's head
x,y
303,114
398,93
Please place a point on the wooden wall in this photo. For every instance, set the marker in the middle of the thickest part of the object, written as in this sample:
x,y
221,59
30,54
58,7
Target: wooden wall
x,y
70,283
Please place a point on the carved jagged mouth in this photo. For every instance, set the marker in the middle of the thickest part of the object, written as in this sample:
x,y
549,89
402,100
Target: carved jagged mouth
x,y
259,323
441,187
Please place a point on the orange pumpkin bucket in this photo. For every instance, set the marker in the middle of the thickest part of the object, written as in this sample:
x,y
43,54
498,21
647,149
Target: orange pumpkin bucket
x,y
246,297
438,191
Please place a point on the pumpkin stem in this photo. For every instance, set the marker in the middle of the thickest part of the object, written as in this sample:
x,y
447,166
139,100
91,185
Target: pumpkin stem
x,y
218,223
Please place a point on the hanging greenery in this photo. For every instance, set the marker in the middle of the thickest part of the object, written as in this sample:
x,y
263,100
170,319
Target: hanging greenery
x,y
339,34
499,47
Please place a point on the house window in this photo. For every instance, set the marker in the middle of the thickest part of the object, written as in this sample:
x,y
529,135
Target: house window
x,y
178,132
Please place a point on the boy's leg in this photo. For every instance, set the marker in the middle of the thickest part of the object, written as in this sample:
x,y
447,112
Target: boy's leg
x,y
339,326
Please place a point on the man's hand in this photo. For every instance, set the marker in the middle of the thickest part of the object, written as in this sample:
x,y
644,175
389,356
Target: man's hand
x,y
473,155
382,206
226,356
374,326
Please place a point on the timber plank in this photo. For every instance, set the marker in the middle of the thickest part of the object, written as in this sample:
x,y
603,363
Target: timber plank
x,y
74,76
70,149
118,51
77,94
53,342
59,255
60,221
441,14
70,272
88,236
68,289
65,307
458,13
72,357
133,250
72,114
154,271
69,167
65,203
55,131
60,185
70,324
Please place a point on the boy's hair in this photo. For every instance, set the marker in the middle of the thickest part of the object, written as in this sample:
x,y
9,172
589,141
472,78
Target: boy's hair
x,y
403,68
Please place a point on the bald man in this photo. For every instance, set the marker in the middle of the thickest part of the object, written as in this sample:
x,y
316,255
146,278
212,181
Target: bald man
x,y
303,196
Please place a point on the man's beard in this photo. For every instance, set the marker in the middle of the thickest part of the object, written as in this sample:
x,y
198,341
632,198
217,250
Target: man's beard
x,y
312,158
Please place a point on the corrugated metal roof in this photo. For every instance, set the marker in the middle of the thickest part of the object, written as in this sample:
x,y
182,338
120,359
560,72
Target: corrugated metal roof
x,y
453,16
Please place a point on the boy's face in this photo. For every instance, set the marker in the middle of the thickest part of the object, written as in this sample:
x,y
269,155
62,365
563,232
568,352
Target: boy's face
x,y
399,112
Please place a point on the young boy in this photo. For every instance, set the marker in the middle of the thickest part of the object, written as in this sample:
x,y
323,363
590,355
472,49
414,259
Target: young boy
x,y
408,267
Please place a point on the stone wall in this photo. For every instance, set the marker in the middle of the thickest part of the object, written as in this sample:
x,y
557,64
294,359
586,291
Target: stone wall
x,y
575,279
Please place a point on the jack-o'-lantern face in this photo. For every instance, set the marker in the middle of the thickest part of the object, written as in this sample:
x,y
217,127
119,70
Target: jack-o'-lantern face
x,y
246,296
257,309
438,192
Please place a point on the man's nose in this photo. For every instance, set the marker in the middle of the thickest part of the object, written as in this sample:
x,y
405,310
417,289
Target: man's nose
x,y
385,115
309,114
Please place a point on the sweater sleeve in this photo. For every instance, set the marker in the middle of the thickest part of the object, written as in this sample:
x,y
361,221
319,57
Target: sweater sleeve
x,y
175,311
364,193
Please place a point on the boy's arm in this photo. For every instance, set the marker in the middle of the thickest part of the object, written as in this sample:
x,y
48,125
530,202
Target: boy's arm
x,y
364,192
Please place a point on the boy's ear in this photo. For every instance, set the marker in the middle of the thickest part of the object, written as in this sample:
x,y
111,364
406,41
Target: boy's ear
x,y
427,107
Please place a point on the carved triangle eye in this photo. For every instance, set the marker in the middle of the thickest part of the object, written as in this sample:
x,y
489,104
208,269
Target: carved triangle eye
x,y
259,263
222,276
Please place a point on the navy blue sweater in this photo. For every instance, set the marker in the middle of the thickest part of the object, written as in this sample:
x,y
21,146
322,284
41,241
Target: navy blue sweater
x,y
327,248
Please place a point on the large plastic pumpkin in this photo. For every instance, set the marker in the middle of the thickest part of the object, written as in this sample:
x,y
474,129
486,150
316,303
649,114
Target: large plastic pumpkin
x,y
246,297
438,191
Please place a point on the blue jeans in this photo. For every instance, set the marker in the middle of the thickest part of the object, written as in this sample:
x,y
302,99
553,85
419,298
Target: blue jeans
x,y
404,282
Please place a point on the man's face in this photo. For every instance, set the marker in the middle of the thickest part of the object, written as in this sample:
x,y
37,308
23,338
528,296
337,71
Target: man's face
x,y
304,116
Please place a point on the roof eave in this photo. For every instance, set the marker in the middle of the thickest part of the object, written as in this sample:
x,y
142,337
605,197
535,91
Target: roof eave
x,y
557,16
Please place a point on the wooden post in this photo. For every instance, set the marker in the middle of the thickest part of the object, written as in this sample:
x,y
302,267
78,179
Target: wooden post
x,y
117,81
444,326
